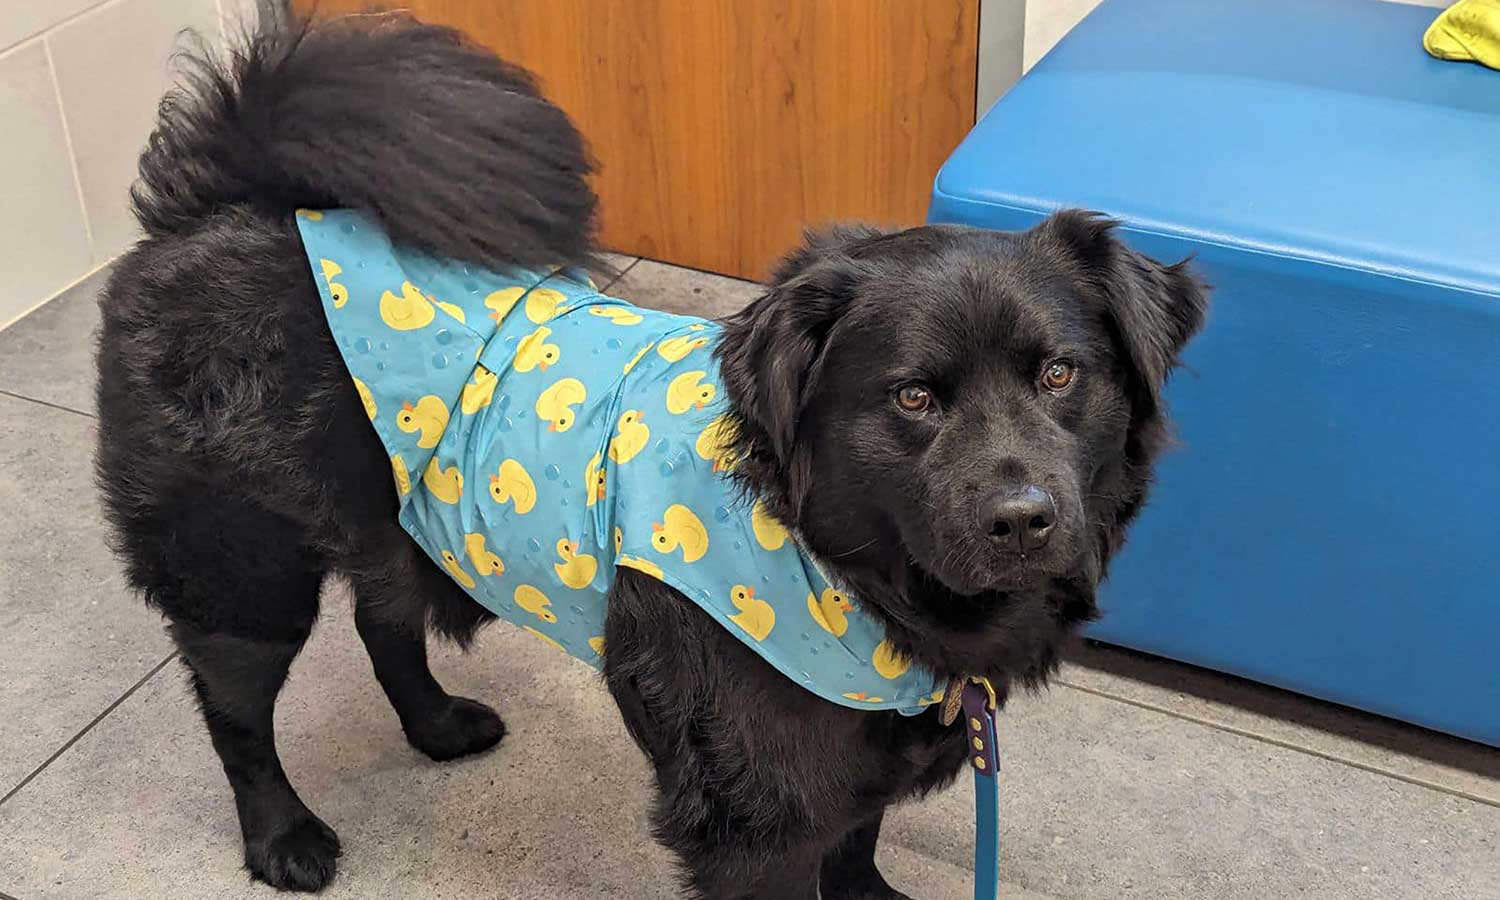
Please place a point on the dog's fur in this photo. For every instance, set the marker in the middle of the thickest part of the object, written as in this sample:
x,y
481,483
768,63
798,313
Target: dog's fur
x,y
237,462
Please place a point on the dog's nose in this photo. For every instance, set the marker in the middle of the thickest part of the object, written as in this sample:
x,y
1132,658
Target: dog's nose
x,y
1019,518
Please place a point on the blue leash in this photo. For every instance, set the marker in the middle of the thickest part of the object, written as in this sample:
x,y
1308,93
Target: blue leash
x,y
979,706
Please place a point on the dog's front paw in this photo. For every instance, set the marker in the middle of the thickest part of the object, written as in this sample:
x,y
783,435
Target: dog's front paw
x,y
302,856
461,728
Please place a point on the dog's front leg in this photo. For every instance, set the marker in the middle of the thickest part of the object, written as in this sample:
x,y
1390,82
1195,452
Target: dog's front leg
x,y
849,872
741,863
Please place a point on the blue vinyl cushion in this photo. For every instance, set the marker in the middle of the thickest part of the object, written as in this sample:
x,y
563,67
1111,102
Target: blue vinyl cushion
x,y
1331,521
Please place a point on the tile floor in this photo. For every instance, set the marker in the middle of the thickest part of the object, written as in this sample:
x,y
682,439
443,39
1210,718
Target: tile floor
x,y
1132,777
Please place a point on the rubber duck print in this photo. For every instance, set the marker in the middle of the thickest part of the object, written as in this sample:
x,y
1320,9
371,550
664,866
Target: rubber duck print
x,y
674,349
619,315
485,562
680,528
755,616
630,437
534,602
533,351
446,485
407,312
687,391
830,611
429,416
576,569
555,405
513,484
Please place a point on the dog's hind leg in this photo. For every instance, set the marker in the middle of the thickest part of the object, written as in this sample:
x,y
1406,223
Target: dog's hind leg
x,y
240,588
390,609
237,680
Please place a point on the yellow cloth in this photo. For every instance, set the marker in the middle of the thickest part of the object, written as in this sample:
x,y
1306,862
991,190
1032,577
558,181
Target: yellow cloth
x,y
1468,31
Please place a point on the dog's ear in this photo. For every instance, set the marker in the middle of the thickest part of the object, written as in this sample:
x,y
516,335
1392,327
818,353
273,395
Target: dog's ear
x,y
1152,309
772,350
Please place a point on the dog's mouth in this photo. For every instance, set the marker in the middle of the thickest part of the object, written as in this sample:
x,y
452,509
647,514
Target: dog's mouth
x,y
980,569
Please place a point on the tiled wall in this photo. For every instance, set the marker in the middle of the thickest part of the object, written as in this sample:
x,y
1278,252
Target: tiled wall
x,y
79,84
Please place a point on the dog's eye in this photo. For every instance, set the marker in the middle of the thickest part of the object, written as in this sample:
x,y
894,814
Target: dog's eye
x,y
1057,375
914,398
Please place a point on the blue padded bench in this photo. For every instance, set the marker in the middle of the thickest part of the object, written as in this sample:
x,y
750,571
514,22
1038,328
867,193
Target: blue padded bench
x,y
1331,520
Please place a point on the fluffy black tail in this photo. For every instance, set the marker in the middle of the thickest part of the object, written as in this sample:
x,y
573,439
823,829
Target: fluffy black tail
x,y
453,150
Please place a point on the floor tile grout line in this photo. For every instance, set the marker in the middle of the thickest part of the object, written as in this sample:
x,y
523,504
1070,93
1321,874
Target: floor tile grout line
x,y
57,406
87,728
623,272
1286,745
16,320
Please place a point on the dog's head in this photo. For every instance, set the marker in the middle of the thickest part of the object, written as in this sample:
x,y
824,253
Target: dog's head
x,y
960,421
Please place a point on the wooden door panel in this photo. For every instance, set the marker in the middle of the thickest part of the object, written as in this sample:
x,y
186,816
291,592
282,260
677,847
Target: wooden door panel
x,y
723,127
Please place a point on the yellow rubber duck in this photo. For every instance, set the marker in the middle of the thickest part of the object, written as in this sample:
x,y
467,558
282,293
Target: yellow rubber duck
x,y
830,611
716,443
630,438
484,561
620,315
890,662
597,644
619,540
501,302
576,569
513,484
674,349
1467,31
863,697
642,565
534,352
338,292
680,528
403,477
429,416
479,391
594,480
687,391
637,358
755,616
555,405
456,569
445,484
409,311
769,533
549,641
545,304
366,398
534,602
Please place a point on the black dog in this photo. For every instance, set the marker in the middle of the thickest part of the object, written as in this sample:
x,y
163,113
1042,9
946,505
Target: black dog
x,y
959,423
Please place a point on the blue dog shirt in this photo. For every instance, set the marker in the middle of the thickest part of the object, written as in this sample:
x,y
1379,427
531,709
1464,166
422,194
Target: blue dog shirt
x,y
542,434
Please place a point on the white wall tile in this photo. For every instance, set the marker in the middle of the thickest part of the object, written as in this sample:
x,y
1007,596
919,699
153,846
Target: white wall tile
x,y
1048,20
43,241
1002,38
237,15
22,19
112,68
